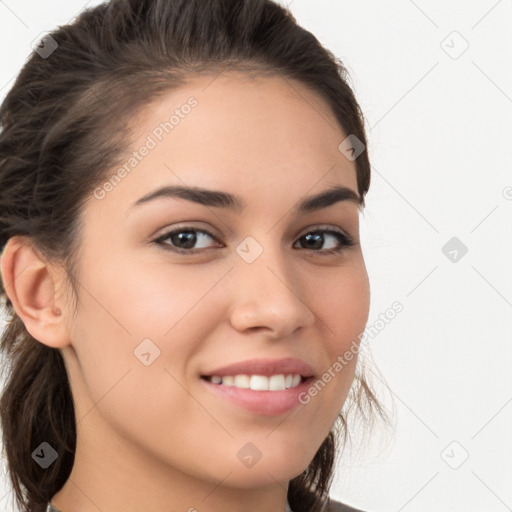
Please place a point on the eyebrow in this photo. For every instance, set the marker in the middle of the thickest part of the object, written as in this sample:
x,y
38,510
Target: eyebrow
x,y
219,199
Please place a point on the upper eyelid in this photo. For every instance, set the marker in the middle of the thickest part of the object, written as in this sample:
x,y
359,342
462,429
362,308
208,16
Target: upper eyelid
x,y
211,232
185,227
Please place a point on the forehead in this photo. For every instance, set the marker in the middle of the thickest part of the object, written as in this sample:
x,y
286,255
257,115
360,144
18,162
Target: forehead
x,y
236,133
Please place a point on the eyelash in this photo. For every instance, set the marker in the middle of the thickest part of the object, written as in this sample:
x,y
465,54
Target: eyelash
x,y
344,240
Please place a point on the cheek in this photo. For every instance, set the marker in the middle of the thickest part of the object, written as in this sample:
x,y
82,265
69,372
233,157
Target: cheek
x,y
172,308
120,311
152,298
166,296
343,305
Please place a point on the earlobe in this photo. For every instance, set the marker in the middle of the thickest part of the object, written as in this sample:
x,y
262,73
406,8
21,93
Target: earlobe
x,y
29,283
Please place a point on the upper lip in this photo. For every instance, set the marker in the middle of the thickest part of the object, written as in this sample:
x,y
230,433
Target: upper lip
x,y
288,365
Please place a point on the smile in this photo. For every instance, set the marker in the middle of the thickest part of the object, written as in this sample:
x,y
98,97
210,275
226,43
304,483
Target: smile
x,y
259,394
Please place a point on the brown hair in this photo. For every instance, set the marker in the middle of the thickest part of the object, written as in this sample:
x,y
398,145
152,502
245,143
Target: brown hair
x,y
64,124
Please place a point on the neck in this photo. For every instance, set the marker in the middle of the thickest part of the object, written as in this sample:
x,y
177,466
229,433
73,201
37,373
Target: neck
x,y
110,473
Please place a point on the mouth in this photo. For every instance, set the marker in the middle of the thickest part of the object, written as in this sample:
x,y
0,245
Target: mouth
x,y
258,394
262,386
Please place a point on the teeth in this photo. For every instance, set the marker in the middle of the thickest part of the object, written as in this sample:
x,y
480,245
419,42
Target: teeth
x,y
277,382
241,381
258,382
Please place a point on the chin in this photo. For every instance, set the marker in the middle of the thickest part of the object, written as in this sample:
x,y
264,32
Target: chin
x,y
267,471
264,476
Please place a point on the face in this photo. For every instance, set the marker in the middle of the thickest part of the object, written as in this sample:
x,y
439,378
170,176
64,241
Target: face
x,y
251,278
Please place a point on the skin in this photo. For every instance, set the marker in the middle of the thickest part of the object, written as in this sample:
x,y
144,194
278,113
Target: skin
x,y
151,437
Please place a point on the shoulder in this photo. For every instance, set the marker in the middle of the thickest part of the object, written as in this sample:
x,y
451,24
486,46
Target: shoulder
x,y
336,506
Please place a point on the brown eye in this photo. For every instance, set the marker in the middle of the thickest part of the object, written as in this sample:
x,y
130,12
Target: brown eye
x,y
184,240
315,241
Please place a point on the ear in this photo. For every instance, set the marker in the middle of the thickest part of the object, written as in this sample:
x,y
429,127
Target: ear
x,y
29,282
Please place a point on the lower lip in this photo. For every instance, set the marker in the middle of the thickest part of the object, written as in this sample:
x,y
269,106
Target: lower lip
x,y
266,403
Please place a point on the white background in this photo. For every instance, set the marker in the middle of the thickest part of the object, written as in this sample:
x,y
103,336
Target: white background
x,y
440,128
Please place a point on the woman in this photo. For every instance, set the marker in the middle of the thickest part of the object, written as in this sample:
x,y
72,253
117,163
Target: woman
x,y
181,183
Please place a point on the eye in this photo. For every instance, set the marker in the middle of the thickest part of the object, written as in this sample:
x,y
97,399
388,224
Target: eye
x,y
184,240
315,240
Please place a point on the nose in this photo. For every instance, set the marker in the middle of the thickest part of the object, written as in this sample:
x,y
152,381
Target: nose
x,y
269,297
